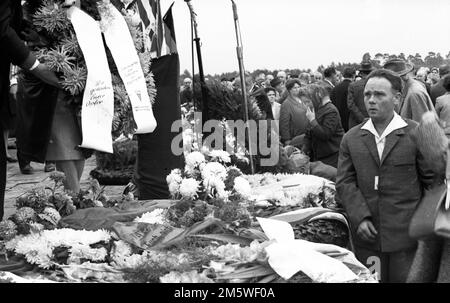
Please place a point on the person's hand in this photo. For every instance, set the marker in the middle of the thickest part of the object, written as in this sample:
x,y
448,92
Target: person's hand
x,y
46,75
13,91
310,115
367,231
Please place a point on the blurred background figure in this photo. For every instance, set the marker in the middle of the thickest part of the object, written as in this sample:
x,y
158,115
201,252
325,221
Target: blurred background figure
x,y
293,121
272,96
305,78
437,89
339,95
186,92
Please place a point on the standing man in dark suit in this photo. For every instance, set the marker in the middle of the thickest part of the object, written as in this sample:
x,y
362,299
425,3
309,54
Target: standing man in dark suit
x,y
438,89
339,95
380,178
329,79
355,97
13,50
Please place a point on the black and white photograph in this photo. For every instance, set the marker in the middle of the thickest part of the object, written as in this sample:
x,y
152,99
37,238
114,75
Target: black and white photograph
x,y
232,150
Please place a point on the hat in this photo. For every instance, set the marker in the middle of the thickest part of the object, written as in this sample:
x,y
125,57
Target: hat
x,y
398,66
366,66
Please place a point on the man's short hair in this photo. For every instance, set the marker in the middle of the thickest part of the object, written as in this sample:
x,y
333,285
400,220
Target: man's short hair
x,y
393,78
349,72
223,79
329,71
444,70
446,83
275,82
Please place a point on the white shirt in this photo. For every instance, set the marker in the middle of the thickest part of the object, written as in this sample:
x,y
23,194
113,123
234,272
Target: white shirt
x,y
380,140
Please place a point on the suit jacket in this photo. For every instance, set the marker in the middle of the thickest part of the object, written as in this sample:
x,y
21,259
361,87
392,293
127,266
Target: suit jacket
x,y
437,90
415,101
401,176
339,98
355,103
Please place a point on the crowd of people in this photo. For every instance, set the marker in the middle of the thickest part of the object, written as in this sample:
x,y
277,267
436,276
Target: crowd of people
x,y
358,121
361,122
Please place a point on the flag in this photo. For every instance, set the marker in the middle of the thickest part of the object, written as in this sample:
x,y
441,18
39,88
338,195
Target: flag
x,y
155,159
159,38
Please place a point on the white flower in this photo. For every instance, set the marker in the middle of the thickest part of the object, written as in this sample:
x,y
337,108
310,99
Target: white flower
x,y
242,187
185,277
79,252
236,253
155,217
174,176
36,227
214,169
189,187
50,214
216,184
220,155
194,159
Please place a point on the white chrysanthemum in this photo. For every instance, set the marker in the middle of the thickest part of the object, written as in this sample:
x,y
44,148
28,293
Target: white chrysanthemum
x,y
79,252
236,253
158,216
189,187
194,159
185,277
214,169
174,176
220,155
36,250
12,244
174,188
242,187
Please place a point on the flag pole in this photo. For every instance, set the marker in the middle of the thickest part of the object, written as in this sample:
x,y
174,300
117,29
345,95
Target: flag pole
x,y
240,56
200,63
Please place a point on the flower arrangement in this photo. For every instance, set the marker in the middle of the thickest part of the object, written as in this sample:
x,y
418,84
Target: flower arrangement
x,y
59,50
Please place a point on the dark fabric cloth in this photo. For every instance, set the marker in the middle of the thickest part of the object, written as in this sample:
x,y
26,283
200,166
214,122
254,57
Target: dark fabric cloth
x,y
155,158
431,262
355,103
36,103
293,121
390,267
12,50
437,90
415,101
339,98
324,135
401,176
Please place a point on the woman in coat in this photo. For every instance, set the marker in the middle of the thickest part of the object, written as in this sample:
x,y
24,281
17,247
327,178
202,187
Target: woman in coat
x,y
325,132
293,121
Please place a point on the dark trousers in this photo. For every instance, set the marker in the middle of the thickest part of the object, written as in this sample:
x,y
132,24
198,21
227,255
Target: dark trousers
x,y
392,267
2,174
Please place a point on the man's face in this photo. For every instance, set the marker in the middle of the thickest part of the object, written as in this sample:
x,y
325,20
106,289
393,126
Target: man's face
x,y
282,77
187,83
380,99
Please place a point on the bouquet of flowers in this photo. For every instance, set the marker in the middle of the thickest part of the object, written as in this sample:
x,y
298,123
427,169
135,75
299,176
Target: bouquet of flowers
x,y
59,50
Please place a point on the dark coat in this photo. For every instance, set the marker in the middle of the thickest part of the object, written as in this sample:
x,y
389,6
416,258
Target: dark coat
x,y
12,50
355,103
293,121
401,175
339,97
329,87
437,90
324,134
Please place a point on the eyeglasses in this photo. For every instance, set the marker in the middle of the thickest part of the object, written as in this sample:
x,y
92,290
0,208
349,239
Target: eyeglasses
x,y
271,95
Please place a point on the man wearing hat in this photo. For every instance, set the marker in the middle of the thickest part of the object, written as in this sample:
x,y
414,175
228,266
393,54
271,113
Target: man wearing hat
x,y
355,98
415,99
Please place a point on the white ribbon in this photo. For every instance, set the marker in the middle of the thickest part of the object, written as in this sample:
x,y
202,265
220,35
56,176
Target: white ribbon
x,y
98,98
121,45
288,256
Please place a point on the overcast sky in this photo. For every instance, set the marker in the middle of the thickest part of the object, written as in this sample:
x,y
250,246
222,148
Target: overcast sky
x,y
281,34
